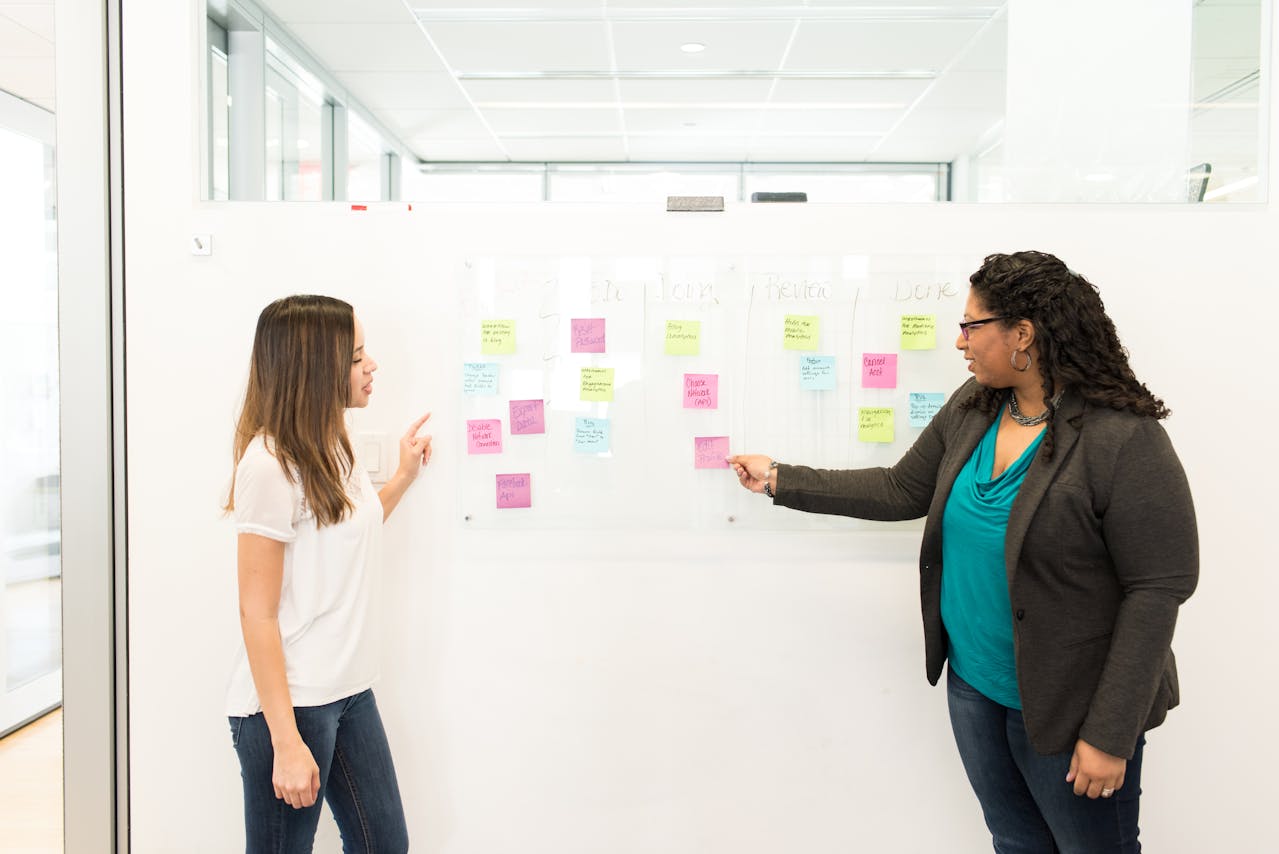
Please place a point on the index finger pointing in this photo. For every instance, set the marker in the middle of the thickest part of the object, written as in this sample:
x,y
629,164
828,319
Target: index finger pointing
x,y
417,425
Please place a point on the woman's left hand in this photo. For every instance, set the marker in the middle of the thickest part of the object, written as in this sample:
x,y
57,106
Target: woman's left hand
x,y
415,450
1094,772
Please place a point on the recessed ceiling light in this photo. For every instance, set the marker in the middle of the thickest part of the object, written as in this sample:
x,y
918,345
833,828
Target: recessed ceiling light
x,y
692,47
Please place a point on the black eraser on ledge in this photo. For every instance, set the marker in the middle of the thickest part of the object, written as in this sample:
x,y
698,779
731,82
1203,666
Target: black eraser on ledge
x,y
779,197
694,203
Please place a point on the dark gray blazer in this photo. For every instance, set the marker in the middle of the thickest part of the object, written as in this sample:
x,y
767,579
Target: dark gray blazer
x,y
1101,551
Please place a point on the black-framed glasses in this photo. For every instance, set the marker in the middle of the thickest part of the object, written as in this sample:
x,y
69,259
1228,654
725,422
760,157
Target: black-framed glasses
x,y
967,326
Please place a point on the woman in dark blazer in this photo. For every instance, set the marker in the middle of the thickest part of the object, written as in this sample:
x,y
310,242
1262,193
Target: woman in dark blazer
x,y
1060,542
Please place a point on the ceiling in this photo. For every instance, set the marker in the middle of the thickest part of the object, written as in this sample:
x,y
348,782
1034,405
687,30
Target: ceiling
x,y
587,80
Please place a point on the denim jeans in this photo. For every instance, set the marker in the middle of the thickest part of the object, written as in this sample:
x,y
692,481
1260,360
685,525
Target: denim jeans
x,y
357,778
1029,806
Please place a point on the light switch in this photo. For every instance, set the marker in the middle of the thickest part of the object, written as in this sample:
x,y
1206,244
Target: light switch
x,y
368,454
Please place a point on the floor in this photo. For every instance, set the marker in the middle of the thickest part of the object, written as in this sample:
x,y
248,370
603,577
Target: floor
x,y
31,788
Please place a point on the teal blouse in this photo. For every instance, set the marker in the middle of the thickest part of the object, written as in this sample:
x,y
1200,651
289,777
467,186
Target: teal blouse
x,y
974,585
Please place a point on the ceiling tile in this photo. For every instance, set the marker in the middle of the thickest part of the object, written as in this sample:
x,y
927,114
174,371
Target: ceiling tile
x,y
938,135
730,45
988,51
450,124
878,46
38,18
902,92
700,149
18,41
968,89
741,122
877,122
539,91
522,46
829,149
431,148
606,149
552,121
27,77
404,90
369,47
695,91
338,11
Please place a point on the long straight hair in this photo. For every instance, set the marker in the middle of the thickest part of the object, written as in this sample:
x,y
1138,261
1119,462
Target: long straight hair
x,y
299,386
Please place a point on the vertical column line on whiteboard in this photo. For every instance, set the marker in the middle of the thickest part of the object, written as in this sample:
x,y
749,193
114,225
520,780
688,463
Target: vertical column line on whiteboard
x,y
746,353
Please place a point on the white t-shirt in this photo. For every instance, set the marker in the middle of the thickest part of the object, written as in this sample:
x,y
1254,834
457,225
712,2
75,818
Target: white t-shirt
x,y
326,625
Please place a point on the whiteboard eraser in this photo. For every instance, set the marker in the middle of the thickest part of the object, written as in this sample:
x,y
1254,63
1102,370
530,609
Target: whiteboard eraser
x,y
694,203
779,197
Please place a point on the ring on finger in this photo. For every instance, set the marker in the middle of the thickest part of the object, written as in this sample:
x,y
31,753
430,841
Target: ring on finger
x,y
1107,792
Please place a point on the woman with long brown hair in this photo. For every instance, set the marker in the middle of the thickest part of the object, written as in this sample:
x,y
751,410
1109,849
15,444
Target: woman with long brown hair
x,y
1059,545
304,722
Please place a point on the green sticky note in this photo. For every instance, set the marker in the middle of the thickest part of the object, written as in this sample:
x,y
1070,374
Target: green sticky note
x,y
597,384
875,424
801,331
497,337
683,337
919,331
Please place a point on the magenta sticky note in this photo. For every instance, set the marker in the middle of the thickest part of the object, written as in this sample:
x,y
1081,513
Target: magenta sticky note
x,y
514,490
879,370
701,391
527,416
588,335
484,436
710,452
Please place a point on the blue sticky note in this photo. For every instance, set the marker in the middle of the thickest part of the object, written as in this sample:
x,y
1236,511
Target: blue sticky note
x,y
590,435
817,373
923,406
480,378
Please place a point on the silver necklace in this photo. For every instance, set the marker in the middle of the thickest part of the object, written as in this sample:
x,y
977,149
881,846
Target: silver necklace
x,y
1031,420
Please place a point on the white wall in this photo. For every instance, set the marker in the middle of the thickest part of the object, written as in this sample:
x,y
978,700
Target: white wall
x,y
623,693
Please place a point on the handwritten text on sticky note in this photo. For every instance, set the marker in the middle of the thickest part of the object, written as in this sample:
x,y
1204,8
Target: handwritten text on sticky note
x,y
597,384
497,336
587,335
879,370
701,391
514,490
710,452
683,337
919,331
801,331
874,424
479,378
484,436
923,406
527,417
817,373
591,435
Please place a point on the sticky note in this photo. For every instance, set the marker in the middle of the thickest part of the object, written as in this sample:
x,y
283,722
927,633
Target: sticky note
x,y
701,391
817,373
514,490
497,336
879,370
527,417
874,424
800,332
484,436
590,435
709,452
683,337
919,331
597,384
923,406
479,378
587,335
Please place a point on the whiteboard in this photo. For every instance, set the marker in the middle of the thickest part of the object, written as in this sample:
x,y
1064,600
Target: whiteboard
x,y
835,360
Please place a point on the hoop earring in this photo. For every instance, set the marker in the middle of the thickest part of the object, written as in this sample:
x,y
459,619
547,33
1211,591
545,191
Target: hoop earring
x,y
1013,360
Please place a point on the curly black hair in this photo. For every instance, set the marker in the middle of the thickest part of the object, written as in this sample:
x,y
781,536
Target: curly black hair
x,y
1077,343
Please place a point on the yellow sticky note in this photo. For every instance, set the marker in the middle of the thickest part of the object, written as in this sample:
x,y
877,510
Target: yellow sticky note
x,y
919,331
801,332
683,337
497,336
875,424
597,384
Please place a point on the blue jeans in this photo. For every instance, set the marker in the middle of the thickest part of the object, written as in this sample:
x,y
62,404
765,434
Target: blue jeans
x,y
1029,806
357,778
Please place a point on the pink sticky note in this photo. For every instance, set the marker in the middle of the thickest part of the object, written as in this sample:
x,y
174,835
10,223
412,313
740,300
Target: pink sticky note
x,y
527,416
484,437
588,335
514,490
709,452
701,391
879,370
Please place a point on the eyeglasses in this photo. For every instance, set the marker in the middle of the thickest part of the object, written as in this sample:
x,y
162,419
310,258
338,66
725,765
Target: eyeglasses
x,y
966,327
